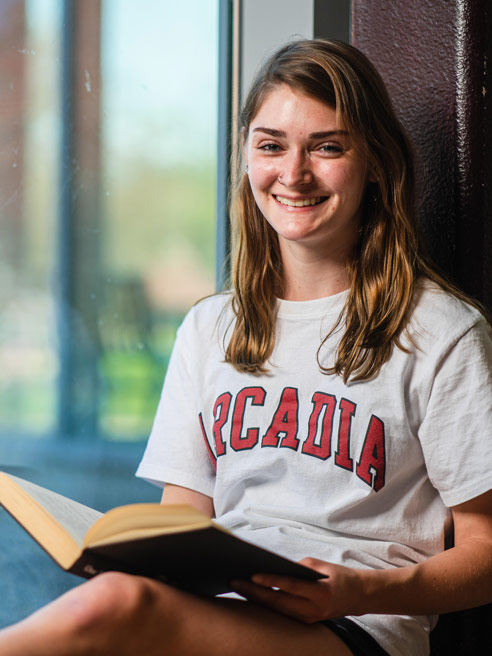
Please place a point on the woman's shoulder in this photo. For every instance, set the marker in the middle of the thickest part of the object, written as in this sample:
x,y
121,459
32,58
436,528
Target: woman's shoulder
x,y
211,306
208,313
440,315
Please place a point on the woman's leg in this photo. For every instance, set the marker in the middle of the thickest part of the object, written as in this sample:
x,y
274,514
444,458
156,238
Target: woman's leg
x,y
119,614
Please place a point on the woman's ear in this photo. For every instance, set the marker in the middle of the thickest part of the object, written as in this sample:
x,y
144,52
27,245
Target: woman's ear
x,y
369,160
371,174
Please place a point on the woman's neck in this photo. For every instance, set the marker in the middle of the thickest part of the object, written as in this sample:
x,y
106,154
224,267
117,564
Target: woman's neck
x,y
309,278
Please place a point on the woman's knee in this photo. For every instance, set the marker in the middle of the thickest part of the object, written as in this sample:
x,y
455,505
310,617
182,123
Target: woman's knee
x,y
100,617
111,601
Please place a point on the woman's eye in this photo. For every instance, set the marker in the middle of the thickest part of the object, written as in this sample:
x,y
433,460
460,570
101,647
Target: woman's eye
x,y
269,148
331,149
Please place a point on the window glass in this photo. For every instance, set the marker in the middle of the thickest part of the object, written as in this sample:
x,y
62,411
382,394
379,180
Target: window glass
x,y
142,178
107,204
159,134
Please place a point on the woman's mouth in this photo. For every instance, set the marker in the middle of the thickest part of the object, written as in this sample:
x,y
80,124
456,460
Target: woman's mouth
x,y
302,202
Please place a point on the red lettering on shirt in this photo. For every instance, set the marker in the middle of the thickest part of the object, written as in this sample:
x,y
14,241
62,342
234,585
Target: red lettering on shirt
x,y
256,396
371,467
318,441
285,422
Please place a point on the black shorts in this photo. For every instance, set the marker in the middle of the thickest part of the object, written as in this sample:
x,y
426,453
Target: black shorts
x,y
359,641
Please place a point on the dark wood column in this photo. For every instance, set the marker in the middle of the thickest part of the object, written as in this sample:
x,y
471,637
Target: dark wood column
x,y
436,59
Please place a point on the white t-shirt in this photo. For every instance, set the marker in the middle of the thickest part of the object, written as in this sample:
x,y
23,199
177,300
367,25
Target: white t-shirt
x,y
360,474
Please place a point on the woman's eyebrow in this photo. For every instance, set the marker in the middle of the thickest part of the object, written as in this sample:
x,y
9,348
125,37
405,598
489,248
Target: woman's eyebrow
x,y
328,133
271,132
314,135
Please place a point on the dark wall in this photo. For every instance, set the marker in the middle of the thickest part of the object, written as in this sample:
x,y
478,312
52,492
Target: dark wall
x,y
435,57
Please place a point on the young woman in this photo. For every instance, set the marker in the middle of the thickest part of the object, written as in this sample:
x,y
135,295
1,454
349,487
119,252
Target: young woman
x,y
335,406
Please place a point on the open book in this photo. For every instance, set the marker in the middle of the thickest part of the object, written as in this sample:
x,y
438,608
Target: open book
x,y
175,544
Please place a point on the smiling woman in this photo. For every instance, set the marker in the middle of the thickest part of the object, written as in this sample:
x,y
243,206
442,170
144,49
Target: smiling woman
x,y
361,114
308,180
313,408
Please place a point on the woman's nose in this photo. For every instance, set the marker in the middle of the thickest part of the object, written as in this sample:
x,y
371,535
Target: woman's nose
x,y
295,170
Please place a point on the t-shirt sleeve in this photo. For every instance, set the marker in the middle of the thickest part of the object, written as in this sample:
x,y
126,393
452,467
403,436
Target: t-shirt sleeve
x,y
177,451
456,433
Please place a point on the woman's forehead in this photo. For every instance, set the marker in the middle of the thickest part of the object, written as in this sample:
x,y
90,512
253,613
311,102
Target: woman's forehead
x,y
283,104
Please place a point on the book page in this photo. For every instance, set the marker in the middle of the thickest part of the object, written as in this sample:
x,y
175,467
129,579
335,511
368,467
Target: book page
x,y
144,519
73,516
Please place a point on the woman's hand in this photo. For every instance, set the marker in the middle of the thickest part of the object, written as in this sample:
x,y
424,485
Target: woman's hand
x,y
307,601
457,578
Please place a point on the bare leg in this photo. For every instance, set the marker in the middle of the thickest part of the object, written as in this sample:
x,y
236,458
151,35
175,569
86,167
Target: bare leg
x,y
115,614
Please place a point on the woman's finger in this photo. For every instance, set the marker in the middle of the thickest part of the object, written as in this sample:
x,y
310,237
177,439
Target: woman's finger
x,y
293,586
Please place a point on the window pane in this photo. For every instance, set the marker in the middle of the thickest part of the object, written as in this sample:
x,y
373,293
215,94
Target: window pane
x,y
140,206
107,179
158,153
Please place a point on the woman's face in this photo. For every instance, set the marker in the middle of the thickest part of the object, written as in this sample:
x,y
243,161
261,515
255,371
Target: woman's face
x,y
304,171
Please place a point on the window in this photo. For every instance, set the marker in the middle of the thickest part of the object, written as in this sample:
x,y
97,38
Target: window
x,y
108,122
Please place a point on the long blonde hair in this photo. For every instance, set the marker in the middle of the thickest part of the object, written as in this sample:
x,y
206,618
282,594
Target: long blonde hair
x,y
389,256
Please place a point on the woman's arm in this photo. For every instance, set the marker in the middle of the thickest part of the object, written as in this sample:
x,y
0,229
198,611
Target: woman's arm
x,y
458,578
175,494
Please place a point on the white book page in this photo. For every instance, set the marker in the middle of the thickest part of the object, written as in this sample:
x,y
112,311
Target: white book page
x,y
73,516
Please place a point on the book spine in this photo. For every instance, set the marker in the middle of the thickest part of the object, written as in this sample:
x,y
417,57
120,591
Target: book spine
x,y
90,564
